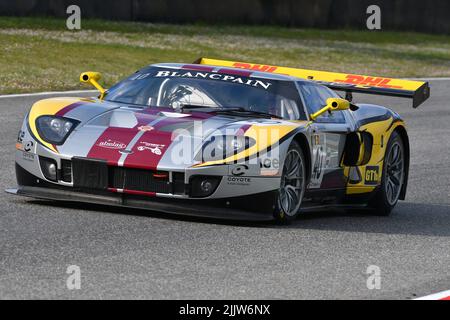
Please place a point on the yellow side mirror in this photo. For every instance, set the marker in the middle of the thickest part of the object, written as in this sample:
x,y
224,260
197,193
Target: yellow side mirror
x,y
93,78
333,104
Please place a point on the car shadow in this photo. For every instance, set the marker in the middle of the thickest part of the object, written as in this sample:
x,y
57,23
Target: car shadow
x,y
147,213
407,218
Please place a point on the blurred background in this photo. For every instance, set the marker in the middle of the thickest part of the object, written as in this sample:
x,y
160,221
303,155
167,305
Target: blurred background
x,y
38,52
409,15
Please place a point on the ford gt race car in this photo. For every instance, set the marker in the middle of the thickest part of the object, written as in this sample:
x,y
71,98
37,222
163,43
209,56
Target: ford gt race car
x,y
221,139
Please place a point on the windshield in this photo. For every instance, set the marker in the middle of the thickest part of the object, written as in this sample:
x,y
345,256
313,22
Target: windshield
x,y
175,88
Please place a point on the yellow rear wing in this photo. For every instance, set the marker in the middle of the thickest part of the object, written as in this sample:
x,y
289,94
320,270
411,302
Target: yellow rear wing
x,y
418,91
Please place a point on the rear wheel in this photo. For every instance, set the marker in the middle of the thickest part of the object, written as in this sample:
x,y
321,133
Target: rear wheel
x,y
292,186
393,177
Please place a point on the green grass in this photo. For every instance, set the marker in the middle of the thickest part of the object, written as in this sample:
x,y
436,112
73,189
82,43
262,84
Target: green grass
x,y
40,54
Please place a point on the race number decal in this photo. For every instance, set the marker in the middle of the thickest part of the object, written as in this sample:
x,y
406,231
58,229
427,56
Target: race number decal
x,y
319,161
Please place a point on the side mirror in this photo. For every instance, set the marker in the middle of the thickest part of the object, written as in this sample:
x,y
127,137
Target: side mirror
x,y
93,78
333,104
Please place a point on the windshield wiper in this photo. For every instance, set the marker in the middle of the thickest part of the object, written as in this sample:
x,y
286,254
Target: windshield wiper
x,y
195,106
241,110
229,110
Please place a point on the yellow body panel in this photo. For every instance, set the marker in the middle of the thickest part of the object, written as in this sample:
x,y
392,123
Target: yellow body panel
x,y
47,107
381,132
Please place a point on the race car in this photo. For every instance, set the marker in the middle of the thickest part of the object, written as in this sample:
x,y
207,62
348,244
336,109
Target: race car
x,y
221,139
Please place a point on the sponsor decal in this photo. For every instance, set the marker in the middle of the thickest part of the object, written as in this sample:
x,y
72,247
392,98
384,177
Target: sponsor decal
x,y
372,175
255,67
153,147
316,139
269,172
270,164
146,128
21,136
111,144
212,76
28,156
28,146
240,170
368,81
269,167
320,163
239,181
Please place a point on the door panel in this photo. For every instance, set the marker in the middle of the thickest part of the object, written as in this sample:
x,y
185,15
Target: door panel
x,y
329,133
328,141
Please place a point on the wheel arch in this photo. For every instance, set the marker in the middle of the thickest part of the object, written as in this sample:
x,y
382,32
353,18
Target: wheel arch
x,y
401,131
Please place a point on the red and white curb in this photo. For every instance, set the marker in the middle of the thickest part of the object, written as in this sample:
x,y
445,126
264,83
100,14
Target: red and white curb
x,y
444,295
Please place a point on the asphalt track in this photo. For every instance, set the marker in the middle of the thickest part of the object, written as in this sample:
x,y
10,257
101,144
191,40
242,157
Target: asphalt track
x,y
137,254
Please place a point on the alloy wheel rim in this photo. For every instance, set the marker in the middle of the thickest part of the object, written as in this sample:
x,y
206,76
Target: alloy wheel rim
x,y
292,183
394,173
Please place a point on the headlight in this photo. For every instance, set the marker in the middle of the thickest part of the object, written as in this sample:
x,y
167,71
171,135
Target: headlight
x,y
55,130
222,147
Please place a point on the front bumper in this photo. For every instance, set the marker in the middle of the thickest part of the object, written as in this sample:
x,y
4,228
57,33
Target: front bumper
x,y
256,207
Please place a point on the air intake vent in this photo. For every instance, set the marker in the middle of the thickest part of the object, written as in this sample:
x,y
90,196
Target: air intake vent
x,y
66,171
139,180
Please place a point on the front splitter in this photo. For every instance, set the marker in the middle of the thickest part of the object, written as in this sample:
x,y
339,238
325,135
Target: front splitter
x,y
128,201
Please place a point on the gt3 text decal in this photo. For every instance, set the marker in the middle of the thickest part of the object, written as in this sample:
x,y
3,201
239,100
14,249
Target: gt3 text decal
x,y
372,175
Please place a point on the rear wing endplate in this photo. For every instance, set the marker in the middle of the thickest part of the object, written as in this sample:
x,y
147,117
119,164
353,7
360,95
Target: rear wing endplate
x,y
418,91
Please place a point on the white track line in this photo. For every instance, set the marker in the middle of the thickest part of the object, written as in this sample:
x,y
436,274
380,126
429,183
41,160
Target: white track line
x,y
44,93
437,296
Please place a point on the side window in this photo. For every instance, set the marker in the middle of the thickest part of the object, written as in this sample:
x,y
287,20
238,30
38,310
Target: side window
x,y
315,97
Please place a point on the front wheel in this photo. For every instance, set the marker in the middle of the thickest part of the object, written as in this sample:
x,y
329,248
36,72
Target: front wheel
x,y
393,177
292,185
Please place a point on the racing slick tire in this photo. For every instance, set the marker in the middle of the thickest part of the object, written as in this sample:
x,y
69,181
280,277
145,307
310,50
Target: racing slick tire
x,y
393,177
292,185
